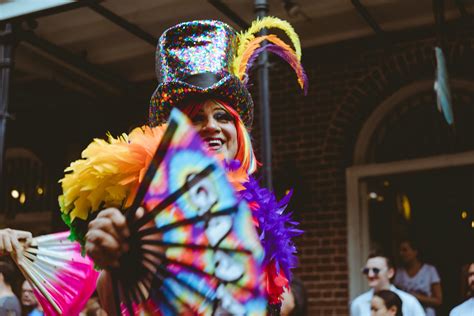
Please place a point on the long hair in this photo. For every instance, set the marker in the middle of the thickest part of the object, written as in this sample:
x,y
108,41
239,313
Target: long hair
x,y
8,272
391,299
245,154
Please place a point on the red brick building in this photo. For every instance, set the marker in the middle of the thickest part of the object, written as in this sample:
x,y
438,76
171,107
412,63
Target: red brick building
x,y
329,142
368,154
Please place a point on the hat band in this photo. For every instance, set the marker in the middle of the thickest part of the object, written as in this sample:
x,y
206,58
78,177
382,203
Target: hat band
x,y
203,80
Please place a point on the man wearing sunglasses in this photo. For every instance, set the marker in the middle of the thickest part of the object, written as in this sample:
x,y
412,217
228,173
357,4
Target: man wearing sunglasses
x,y
379,272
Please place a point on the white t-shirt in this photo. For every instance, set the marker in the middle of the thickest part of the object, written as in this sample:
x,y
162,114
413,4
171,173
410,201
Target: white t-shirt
x,y
420,282
465,309
410,306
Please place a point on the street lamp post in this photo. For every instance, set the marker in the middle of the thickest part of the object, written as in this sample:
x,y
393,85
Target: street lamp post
x,y
261,10
6,65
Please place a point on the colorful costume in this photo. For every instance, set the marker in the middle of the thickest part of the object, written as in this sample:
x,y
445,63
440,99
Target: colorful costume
x,y
195,60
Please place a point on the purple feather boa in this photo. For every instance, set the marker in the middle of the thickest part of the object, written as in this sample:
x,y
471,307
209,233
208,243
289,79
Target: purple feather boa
x,y
276,227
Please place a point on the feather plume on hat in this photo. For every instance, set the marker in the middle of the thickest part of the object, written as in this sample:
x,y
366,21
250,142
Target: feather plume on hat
x,y
249,47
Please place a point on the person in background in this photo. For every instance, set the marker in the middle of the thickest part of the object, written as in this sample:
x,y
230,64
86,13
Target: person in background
x,y
418,278
467,308
379,271
295,300
9,303
386,303
93,307
29,304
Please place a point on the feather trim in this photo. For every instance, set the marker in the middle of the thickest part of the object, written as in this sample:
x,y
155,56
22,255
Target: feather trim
x,y
275,226
107,176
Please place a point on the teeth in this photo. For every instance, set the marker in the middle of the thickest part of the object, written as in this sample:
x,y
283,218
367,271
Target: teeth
x,y
215,142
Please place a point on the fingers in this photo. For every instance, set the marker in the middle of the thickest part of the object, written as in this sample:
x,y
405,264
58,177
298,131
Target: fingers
x,y
22,234
17,247
105,225
6,239
103,248
140,212
116,219
106,239
9,240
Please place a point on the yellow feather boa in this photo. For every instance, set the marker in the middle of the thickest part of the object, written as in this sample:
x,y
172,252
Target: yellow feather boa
x,y
107,175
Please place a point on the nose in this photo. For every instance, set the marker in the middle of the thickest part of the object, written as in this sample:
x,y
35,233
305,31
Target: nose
x,y
211,125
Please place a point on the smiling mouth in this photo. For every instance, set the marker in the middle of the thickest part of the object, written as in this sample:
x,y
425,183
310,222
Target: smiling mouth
x,y
213,144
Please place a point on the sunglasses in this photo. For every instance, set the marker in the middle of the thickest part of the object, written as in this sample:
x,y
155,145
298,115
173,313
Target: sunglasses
x,y
375,271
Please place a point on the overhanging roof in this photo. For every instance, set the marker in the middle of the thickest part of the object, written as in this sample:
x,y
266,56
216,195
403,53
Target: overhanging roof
x,y
86,33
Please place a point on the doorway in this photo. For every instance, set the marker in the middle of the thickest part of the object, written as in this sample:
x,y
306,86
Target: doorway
x,y
434,208
405,146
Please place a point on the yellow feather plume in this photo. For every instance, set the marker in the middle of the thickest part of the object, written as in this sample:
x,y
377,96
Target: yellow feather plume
x,y
109,172
246,37
253,45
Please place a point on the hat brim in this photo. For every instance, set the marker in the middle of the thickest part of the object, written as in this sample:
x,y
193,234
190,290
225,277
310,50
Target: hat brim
x,y
229,89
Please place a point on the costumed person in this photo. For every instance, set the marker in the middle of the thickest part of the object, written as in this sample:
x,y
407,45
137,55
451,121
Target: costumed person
x,y
203,68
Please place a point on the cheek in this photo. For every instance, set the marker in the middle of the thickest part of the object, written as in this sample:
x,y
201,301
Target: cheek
x,y
231,132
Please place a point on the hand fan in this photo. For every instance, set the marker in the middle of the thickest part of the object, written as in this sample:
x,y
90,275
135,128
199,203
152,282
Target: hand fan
x,y
62,279
195,251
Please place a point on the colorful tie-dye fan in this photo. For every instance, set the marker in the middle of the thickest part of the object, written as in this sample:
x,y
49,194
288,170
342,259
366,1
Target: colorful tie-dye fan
x,y
62,279
196,250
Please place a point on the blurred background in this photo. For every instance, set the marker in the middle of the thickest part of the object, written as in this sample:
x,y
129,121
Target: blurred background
x,y
371,159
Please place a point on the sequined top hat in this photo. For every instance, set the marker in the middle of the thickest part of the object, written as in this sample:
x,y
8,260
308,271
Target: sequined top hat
x,y
208,58
194,58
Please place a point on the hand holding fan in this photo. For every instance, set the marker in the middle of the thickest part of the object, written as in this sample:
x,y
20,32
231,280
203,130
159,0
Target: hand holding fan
x,y
195,251
62,279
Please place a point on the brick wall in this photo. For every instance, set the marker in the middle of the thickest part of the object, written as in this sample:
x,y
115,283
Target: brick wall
x,y
313,138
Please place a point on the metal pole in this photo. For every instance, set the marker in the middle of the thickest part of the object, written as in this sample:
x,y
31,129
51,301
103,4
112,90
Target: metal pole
x,y
6,64
261,10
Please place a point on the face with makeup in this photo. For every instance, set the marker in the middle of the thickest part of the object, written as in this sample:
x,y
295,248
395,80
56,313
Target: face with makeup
x,y
378,273
217,129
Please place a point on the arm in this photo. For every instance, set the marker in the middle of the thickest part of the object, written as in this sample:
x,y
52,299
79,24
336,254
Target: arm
x,y
435,300
105,243
105,291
